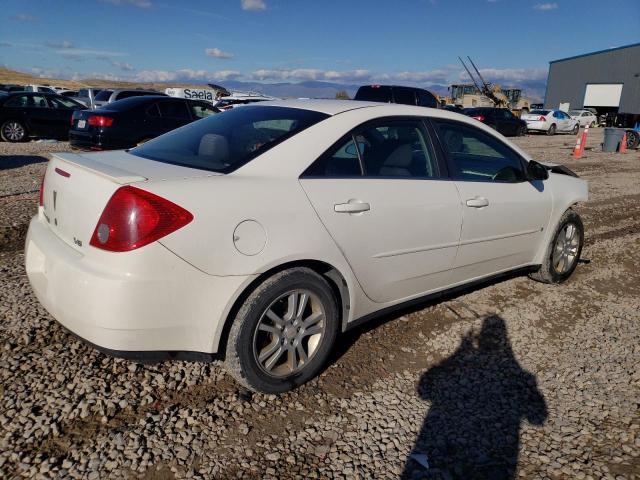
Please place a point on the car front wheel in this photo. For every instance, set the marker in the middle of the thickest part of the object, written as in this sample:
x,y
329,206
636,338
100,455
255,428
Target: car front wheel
x,y
283,333
13,131
563,252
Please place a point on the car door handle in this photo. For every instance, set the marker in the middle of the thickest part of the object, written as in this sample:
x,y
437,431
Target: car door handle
x,y
352,206
477,202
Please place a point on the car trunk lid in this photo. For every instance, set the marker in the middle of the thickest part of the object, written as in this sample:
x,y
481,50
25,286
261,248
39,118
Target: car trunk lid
x,y
77,188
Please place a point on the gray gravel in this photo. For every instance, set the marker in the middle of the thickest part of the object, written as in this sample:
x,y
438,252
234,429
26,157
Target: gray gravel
x,y
515,379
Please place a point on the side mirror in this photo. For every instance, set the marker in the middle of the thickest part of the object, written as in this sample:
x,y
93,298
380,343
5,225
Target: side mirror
x,y
537,171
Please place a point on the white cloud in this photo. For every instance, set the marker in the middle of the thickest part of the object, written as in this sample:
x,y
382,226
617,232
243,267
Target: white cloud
x,y
253,5
497,75
545,6
65,44
217,53
302,74
184,75
124,66
134,3
24,17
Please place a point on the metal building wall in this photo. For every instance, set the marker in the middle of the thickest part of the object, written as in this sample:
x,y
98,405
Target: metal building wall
x,y
568,77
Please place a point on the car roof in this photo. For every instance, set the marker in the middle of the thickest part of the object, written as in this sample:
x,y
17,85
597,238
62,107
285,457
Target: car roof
x,y
118,90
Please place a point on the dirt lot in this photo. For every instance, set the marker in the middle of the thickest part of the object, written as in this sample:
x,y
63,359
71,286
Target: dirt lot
x,y
514,379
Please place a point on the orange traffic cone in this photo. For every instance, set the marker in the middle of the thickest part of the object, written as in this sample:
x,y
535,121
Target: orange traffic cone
x,y
577,151
623,144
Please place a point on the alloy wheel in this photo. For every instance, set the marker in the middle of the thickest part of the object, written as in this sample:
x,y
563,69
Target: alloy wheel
x,y
289,333
13,131
565,251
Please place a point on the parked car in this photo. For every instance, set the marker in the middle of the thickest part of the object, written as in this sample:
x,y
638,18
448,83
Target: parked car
x,y
584,117
88,95
256,234
38,88
31,114
397,94
134,120
500,119
551,122
113,95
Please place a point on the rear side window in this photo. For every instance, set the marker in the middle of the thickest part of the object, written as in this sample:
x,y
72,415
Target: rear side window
x,y
174,109
225,142
477,156
103,96
389,148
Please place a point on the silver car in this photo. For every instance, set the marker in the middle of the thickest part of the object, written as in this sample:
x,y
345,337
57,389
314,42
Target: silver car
x,y
114,94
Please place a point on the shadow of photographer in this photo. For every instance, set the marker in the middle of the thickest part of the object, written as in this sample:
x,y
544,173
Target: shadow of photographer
x,y
479,397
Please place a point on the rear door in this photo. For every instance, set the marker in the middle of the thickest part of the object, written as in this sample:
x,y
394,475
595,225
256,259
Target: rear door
x,y
503,214
62,110
389,206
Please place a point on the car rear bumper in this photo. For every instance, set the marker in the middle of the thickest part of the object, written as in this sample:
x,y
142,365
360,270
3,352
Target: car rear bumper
x,y
152,301
95,141
542,126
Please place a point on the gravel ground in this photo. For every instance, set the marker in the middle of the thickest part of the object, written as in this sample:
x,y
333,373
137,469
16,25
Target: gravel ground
x,y
514,379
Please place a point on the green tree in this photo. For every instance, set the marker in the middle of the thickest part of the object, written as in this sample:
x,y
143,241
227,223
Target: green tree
x,y
342,95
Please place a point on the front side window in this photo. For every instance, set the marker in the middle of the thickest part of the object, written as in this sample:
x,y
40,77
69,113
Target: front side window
x,y
225,142
391,148
202,110
477,156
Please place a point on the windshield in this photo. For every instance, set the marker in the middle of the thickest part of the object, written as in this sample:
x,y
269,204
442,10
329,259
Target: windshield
x,y
103,96
575,113
539,112
224,142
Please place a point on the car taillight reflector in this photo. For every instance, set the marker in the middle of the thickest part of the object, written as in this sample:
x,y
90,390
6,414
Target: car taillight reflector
x,y
134,218
479,118
100,121
42,190
542,119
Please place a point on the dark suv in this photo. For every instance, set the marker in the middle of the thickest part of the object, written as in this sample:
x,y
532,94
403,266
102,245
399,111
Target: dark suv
x,y
397,94
500,119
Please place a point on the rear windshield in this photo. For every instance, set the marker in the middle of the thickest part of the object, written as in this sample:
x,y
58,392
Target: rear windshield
x,y
374,94
103,96
539,112
225,142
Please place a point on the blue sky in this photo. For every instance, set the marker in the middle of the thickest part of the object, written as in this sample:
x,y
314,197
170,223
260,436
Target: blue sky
x,y
406,41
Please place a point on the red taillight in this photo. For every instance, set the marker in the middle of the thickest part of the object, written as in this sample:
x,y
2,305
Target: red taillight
x,y
42,190
100,121
542,119
134,218
480,118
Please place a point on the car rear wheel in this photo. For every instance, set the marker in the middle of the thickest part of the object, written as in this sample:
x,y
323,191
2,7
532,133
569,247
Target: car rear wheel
x,y
283,333
522,131
563,252
575,129
13,131
552,130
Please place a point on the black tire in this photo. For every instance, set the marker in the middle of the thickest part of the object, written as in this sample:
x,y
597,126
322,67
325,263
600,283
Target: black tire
x,y
552,130
548,273
633,139
575,129
522,131
14,131
242,351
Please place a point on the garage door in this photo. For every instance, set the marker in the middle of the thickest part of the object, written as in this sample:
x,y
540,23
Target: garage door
x,y
602,95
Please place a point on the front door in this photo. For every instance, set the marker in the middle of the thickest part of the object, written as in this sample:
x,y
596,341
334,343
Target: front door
x,y
503,214
390,207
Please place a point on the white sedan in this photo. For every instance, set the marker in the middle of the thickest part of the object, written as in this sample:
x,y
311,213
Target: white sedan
x,y
550,122
262,233
584,117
